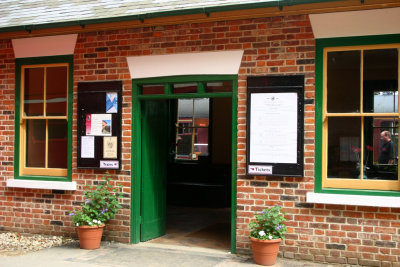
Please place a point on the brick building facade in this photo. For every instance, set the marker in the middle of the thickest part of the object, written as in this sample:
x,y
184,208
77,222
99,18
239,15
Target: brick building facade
x,y
284,45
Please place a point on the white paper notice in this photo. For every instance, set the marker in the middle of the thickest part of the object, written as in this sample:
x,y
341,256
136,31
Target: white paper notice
x,y
110,147
273,129
98,124
87,147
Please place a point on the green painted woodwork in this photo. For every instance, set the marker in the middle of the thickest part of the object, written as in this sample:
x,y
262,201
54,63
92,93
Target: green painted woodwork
x,y
154,168
234,164
358,40
319,72
138,135
136,165
184,79
141,17
188,95
19,62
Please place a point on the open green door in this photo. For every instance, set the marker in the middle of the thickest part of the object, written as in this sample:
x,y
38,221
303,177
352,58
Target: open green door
x,y
154,168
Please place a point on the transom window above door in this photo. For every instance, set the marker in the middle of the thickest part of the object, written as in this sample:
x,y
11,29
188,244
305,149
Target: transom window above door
x,y
187,88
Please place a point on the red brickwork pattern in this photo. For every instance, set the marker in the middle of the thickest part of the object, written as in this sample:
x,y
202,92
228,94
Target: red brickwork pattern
x,y
7,87
279,45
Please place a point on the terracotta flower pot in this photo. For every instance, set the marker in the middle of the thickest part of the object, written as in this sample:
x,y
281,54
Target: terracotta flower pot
x,y
90,236
265,251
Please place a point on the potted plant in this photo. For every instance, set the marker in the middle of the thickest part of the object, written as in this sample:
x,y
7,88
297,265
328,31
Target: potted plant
x,y
101,204
266,234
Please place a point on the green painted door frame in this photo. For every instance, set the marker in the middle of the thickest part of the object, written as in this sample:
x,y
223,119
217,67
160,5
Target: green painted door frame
x,y
136,169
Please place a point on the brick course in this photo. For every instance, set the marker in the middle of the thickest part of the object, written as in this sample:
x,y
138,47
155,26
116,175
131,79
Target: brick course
x,y
278,45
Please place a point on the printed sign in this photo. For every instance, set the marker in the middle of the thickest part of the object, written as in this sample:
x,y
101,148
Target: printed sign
x,y
110,147
112,103
258,169
273,130
109,164
98,124
87,147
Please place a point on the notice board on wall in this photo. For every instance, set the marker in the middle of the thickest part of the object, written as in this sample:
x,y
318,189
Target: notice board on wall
x,y
99,125
275,125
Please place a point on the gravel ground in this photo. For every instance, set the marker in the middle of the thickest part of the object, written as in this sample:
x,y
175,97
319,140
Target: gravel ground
x,y
16,244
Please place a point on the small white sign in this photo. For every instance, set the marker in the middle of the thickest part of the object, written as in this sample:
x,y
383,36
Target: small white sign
x,y
87,147
109,164
258,169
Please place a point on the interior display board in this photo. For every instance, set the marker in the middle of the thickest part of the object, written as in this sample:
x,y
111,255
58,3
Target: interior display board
x,y
99,125
275,125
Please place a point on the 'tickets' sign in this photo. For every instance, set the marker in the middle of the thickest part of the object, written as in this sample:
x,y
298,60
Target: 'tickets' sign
x,y
259,170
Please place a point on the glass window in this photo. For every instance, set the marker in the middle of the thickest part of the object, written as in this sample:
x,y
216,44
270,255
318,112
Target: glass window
x,y
33,91
192,128
35,143
343,81
56,91
361,118
183,88
380,80
219,87
44,122
153,89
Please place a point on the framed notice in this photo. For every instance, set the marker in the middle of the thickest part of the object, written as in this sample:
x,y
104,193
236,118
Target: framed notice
x,y
275,125
99,125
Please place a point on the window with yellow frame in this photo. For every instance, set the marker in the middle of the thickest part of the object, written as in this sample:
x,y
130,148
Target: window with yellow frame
x,y
44,120
361,117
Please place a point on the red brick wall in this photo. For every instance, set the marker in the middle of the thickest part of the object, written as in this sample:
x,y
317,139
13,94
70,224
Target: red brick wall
x,y
279,45
7,78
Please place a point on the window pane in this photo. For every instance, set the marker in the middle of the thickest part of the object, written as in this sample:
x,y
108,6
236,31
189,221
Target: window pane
x,y
56,91
343,81
152,89
381,80
58,143
35,143
201,141
33,91
184,143
185,109
217,87
381,148
344,138
181,88
201,112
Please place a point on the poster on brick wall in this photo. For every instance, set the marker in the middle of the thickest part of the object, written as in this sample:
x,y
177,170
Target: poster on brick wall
x,y
275,123
99,125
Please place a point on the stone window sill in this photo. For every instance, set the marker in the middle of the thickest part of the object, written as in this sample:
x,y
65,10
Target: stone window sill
x,y
355,200
41,184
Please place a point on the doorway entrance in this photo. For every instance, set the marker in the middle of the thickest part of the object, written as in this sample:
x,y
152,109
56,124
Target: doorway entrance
x,y
184,160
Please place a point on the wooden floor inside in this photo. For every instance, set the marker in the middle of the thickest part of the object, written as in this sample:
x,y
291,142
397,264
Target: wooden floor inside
x,y
197,227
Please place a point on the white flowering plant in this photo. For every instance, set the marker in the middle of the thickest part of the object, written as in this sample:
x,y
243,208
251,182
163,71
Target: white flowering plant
x,y
101,204
268,224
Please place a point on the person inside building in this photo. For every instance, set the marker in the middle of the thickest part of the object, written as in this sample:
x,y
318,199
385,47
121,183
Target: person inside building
x,y
386,151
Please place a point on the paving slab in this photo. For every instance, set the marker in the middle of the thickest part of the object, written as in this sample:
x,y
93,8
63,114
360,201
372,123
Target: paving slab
x,y
138,255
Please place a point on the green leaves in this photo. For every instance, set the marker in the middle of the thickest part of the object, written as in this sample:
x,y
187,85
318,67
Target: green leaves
x,y
268,224
101,204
